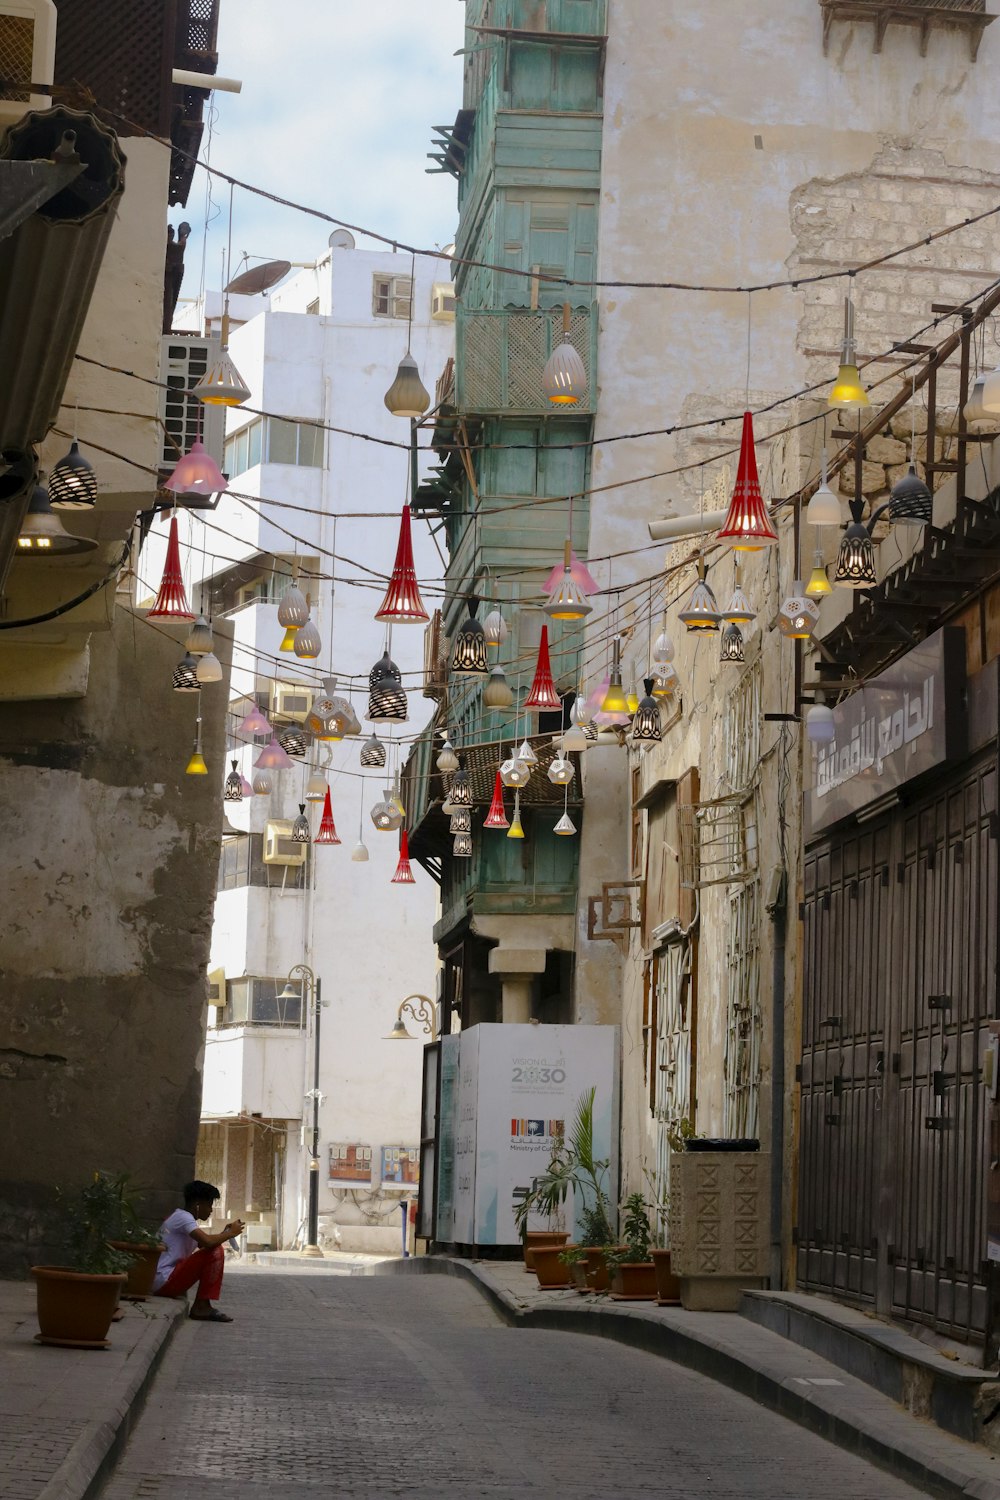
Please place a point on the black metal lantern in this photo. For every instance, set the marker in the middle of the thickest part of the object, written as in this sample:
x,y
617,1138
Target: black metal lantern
x,y
731,648
469,654
72,482
386,698
461,820
186,675
646,719
234,786
300,828
856,559
293,741
910,501
460,791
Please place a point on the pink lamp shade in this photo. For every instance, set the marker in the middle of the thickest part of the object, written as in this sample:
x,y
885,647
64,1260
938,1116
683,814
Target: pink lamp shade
x,y
247,787
327,828
402,603
272,758
255,723
747,525
403,875
543,693
496,817
196,473
582,577
171,601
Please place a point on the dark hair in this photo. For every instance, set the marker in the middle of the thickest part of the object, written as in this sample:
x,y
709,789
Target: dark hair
x,y
203,1190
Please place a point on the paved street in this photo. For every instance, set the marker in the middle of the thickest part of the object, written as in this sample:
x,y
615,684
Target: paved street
x,y
373,1387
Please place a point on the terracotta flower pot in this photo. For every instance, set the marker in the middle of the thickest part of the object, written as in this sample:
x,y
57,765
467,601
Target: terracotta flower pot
x,y
634,1281
668,1286
552,1273
74,1308
142,1270
535,1237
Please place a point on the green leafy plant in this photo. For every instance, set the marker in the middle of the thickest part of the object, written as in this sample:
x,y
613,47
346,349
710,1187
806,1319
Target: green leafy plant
x,y
573,1165
129,1225
636,1234
91,1218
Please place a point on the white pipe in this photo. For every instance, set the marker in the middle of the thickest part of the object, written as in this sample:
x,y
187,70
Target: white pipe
x,y
207,81
671,528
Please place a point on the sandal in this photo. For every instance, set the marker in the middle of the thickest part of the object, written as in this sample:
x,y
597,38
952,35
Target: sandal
x,y
215,1316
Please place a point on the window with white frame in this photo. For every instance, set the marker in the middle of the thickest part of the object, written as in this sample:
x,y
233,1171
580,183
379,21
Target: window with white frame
x,y
391,296
274,440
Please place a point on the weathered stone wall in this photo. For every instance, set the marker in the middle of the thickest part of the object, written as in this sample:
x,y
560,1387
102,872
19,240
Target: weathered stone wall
x,y
107,891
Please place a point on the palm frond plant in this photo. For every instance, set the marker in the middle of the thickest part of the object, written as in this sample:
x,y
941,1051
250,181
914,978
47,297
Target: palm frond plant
x,y
573,1165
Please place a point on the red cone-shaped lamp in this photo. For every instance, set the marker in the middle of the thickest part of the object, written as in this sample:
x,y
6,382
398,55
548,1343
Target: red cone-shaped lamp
x,y
327,828
402,603
543,693
403,875
496,817
171,602
747,526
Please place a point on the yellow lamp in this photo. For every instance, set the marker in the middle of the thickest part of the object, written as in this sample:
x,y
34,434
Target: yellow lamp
x,y
819,584
848,393
632,700
515,831
196,765
288,639
615,701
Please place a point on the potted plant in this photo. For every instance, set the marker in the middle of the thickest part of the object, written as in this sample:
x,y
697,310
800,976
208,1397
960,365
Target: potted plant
x,y
633,1274
588,1260
574,1165
129,1235
77,1301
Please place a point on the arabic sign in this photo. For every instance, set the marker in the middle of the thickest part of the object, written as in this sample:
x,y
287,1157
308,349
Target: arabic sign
x,y
905,722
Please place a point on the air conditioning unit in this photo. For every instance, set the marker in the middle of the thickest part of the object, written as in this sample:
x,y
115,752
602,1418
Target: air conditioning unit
x,y
291,700
184,359
279,846
27,55
443,301
217,988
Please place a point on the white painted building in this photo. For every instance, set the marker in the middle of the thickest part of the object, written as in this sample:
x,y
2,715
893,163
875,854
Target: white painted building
x,y
325,350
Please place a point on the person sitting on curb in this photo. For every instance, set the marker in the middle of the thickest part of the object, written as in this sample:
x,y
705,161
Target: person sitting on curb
x,y
192,1255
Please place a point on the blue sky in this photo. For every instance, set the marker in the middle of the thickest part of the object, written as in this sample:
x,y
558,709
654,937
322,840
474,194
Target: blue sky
x,y
338,104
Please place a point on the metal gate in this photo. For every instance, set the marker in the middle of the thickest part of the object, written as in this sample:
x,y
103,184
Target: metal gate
x,y
672,1059
900,981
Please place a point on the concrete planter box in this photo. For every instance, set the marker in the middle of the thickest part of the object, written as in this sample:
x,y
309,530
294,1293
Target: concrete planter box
x,y
719,1219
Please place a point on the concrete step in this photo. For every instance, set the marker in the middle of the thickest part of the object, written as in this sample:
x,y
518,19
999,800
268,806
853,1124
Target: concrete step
x,y
957,1396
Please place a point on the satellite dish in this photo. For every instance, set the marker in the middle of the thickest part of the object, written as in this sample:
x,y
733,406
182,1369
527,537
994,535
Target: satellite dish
x,y
341,239
259,278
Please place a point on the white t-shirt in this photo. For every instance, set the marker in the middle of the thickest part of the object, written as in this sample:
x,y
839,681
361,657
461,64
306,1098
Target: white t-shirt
x,y
175,1232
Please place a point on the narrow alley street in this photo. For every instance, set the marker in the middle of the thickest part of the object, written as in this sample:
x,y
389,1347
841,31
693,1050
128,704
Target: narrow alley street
x,y
370,1387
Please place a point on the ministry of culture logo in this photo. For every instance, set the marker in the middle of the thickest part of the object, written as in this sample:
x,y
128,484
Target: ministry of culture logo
x,y
535,1129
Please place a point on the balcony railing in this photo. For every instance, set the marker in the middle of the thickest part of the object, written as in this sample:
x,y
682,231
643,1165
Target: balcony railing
x,y
501,353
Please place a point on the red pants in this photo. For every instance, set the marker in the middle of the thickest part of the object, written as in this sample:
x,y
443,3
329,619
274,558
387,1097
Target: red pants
x,y
203,1267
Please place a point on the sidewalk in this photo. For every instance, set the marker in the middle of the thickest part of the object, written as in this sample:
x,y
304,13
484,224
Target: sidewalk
x,y
738,1353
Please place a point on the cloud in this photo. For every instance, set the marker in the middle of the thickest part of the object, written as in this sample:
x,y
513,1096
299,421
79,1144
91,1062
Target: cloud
x,y
338,105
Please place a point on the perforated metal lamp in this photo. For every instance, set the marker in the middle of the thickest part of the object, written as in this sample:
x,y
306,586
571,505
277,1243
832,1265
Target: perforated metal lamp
x,y
373,752
701,614
460,791
799,615
222,384
386,698
910,501
186,674
293,741
561,771
856,559
461,820
731,645
567,601
234,785
462,846
72,482
293,607
300,827
469,654
564,378
42,533
646,719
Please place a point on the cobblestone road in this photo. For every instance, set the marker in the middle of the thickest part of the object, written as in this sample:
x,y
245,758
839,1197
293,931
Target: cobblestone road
x,y
372,1387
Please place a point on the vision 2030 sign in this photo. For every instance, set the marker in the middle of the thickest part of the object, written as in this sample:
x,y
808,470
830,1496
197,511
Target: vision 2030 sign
x,y
905,722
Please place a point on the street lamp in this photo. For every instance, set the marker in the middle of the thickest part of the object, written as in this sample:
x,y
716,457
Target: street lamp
x,y
310,985
424,1011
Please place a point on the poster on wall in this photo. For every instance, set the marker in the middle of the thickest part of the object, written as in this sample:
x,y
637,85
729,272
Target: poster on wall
x,y
518,1092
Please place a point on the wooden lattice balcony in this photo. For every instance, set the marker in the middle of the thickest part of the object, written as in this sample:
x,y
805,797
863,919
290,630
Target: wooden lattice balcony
x,y
501,353
969,16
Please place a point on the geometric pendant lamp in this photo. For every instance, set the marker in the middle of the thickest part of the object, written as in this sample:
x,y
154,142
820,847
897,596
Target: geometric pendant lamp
x,y
543,695
402,603
171,601
747,526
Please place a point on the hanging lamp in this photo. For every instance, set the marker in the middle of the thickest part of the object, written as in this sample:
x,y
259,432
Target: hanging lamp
x,y
515,772
848,393
234,785
701,613
824,507
316,787
975,409
574,739
560,771
300,827
461,846
910,501
856,559
293,740
666,684
307,644
222,384
171,600
542,695
582,576
196,473
615,700
747,526
496,817
293,607
200,639
460,791
407,396
447,760
799,615
498,692
209,668
460,820
385,814
359,854
247,787
373,751
820,725
327,832
564,378
72,482
186,675
516,831
740,610
731,644
495,628
646,719
663,649
42,534
404,874
567,600
288,639
272,757
386,698
526,754
565,827
469,653
253,724
402,604
262,784
196,765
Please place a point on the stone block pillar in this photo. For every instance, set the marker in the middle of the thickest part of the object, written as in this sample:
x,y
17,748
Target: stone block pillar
x,y
719,1226
516,969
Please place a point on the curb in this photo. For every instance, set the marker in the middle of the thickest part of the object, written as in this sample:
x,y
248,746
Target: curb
x,y
91,1457
902,1455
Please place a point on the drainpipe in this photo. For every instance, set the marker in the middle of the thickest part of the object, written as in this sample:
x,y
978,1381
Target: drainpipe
x,y
777,910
